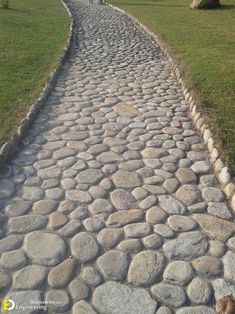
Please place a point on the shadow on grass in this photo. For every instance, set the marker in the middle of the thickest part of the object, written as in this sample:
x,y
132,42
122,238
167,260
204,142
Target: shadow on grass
x,y
222,7
227,7
151,4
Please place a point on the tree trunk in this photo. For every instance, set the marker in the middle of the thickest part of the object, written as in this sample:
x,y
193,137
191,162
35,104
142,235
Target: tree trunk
x,y
205,4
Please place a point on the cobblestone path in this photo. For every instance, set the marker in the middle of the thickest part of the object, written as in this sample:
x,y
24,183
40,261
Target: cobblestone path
x,y
112,206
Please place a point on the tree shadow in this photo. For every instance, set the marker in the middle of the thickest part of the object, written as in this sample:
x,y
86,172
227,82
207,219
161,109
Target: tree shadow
x,y
151,4
227,7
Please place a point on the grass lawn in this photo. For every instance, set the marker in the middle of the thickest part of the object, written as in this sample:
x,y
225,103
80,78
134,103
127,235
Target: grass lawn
x,y
32,36
203,41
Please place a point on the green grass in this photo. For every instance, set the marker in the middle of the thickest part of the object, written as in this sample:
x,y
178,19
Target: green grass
x,y
203,42
32,36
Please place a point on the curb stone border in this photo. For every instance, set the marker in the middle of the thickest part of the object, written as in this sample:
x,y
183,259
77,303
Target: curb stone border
x,y
9,148
221,170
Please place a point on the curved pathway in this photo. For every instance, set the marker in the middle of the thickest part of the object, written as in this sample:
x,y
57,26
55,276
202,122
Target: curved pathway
x,y
112,205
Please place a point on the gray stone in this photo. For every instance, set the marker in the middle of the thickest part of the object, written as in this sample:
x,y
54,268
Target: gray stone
x,y
100,206
131,165
82,307
53,172
222,288
33,193
7,188
71,228
27,223
212,194
79,196
4,279
18,207
121,199
13,260
84,247
30,277
197,208
215,227
130,246
68,116
113,265
208,266
113,297
219,209
139,193
57,220
201,167
196,310
178,272
109,157
10,242
231,243
55,194
93,224
91,276
45,248
181,223
186,176
109,237
187,246
164,231
152,241
171,185
126,179
148,202
199,291
78,290
61,275
229,266
97,192
90,176
58,301
189,194
152,152
169,294
216,248
171,205
44,207
208,180
79,213
155,215
137,230
25,299
124,217
164,310
64,152
145,268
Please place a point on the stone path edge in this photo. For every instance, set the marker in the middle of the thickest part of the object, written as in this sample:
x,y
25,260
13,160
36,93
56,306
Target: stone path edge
x,y
9,148
221,170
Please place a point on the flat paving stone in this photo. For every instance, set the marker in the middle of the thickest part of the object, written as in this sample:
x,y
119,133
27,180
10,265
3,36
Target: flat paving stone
x,y
113,265
126,179
45,248
169,294
18,208
84,247
30,277
145,268
187,246
121,199
113,297
27,223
